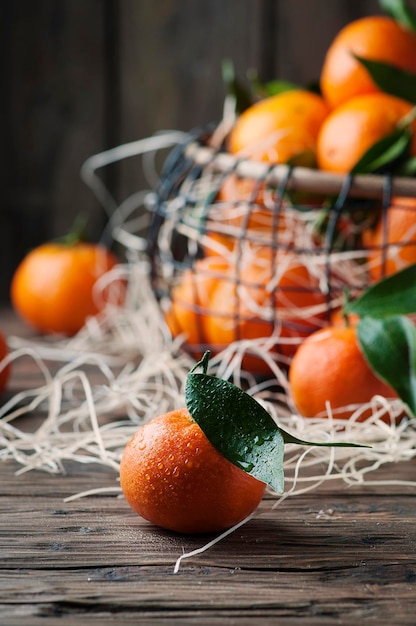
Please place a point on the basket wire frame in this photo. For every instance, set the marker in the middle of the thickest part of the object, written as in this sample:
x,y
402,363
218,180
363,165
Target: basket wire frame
x,y
188,213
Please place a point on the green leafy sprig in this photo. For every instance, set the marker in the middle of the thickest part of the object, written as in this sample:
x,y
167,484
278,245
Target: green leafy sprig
x,y
400,11
388,155
235,87
386,335
391,79
391,154
77,232
239,427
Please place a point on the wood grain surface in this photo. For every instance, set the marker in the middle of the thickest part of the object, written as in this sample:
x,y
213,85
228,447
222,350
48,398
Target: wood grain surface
x,y
335,557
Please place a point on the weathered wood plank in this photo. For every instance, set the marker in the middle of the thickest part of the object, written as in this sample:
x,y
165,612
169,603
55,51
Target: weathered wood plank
x,y
299,535
92,559
170,58
306,29
233,589
53,113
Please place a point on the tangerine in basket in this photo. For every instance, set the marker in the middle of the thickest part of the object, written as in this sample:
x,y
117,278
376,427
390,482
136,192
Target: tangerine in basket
x,y
191,297
355,126
172,476
329,367
262,219
275,295
377,38
392,244
53,287
279,128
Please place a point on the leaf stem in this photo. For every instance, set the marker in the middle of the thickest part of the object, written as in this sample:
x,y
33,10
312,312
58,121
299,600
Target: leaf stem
x,y
76,234
202,362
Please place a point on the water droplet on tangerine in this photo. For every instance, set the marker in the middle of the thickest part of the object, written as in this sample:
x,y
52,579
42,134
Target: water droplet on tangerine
x,y
141,444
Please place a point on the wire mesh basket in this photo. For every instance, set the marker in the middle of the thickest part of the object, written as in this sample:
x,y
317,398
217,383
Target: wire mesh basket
x,y
257,257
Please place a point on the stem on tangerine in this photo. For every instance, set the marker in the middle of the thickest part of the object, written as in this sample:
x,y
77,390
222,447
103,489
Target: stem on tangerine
x,y
203,362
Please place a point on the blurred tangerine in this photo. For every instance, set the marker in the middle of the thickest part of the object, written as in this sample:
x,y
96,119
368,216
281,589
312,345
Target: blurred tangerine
x,y
392,244
329,367
191,299
280,298
355,126
53,288
378,38
279,128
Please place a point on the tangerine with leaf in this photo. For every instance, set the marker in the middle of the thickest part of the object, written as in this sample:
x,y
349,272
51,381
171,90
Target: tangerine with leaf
x,y
204,468
329,367
357,125
173,476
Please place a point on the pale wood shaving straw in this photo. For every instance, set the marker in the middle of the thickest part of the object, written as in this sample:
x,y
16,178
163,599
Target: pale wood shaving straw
x,y
122,369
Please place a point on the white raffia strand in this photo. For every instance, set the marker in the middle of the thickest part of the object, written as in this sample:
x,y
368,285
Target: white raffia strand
x,y
123,368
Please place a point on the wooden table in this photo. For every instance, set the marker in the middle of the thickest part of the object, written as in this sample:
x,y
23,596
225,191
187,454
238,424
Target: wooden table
x,y
333,556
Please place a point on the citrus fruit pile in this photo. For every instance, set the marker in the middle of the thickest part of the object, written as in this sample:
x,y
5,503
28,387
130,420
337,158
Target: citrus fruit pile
x,y
272,267
266,269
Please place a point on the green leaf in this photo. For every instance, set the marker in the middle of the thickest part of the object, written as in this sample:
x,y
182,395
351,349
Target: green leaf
x,y
239,427
385,153
394,295
235,88
227,416
407,168
400,11
391,79
389,345
271,88
77,232
274,87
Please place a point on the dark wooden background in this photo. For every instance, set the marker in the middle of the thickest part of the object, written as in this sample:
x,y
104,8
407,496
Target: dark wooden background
x,y
81,76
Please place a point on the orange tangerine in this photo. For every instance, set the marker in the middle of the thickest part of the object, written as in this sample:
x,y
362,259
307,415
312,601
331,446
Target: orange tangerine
x,y
375,37
329,368
279,128
392,244
355,126
172,476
